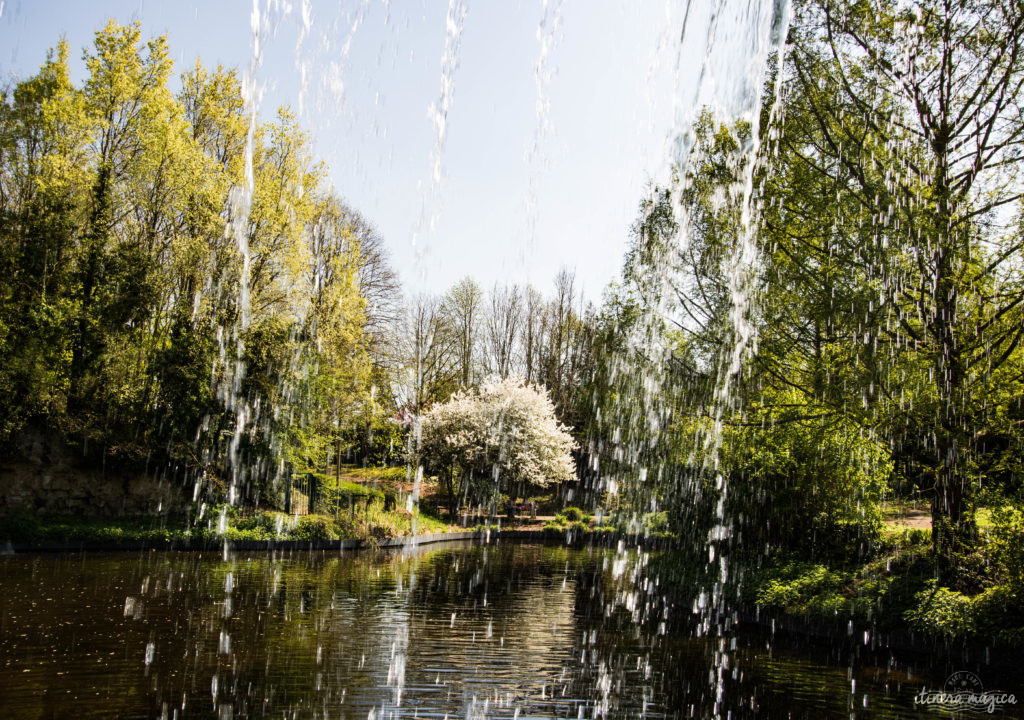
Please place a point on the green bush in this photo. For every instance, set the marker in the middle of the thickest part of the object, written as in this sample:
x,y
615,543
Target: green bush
x,y
940,611
234,534
573,514
999,613
808,486
1006,543
657,524
560,526
803,587
266,525
314,527
842,540
554,527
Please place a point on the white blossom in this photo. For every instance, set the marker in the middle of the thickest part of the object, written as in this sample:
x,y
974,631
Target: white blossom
x,y
505,430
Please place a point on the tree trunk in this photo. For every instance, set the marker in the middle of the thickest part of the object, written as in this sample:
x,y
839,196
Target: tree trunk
x,y
952,526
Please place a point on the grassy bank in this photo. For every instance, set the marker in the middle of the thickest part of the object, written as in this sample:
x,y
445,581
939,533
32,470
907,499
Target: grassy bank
x,y
372,522
361,505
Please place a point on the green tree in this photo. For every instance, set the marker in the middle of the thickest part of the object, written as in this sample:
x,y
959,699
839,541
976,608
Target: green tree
x,y
908,125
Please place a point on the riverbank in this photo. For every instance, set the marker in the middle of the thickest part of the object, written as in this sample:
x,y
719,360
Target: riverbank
x,y
369,521
26,533
896,591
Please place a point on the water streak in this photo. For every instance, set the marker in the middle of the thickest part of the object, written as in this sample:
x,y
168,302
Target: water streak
x,y
547,35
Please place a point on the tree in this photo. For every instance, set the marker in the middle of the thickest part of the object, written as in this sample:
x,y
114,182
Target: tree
x,y
431,371
908,117
500,437
462,306
890,304
502,329
532,332
128,323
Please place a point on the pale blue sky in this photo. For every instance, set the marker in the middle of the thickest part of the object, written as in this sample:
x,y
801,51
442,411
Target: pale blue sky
x,y
611,111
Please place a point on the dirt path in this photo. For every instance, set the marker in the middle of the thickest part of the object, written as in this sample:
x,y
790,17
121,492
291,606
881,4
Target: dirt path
x,y
912,519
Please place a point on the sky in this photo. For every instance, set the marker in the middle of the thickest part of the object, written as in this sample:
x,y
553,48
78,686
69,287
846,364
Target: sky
x,y
546,154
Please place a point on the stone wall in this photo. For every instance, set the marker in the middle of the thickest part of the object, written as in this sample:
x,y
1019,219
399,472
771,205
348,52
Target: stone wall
x,y
46,478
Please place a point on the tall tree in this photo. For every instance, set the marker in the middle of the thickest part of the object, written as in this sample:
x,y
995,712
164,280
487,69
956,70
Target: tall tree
x,y
919,109
431,356
463,307
502,326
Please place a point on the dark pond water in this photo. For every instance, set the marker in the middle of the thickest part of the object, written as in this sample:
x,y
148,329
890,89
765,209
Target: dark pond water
x,y
509,631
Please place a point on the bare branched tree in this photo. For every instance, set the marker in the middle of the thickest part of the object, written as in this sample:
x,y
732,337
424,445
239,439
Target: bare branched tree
x,y
462,307
429,353
503,329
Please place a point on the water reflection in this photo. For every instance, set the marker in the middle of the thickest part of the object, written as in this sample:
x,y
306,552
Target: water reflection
x,y
513,631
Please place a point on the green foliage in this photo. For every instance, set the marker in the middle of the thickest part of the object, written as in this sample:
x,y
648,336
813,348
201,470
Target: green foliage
x,y
121,326
265,525
554,527
895,589
805,588
562,525
573,514
21,525
335,496
314,527
887,300
657,524
941,611
25,526
1006,543
999,613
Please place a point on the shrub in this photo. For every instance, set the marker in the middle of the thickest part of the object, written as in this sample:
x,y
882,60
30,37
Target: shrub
x,y
805,485
554,527
1006,543
940,611
574,514
802,587
841,540
999,613
265,525
657,524
505,429
314,527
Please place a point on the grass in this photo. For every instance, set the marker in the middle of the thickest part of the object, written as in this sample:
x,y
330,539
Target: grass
x,y
23,526
369,521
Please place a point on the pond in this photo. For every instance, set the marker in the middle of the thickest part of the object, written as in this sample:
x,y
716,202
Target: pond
x,y
506,631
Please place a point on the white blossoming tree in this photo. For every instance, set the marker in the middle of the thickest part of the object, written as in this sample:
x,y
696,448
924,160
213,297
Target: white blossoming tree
x,y
497,438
